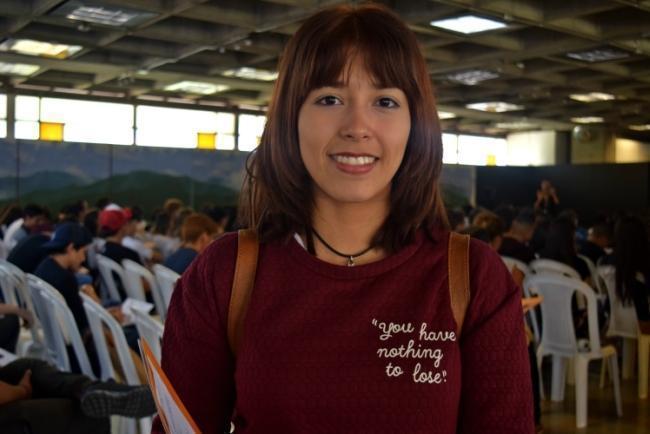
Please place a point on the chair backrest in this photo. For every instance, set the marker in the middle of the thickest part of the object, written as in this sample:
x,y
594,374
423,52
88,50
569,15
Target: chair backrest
x,y
166,282
511,263
551,266
100,319
59,326
623,320
134,274
595,277
106,269
4,250
558,333
149,329
14,284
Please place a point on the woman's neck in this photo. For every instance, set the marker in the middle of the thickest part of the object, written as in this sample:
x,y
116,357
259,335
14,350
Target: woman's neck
x,y
349,228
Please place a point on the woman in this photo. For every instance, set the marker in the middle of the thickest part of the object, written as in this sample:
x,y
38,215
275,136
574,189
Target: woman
x,y
561,246
632,260
349,328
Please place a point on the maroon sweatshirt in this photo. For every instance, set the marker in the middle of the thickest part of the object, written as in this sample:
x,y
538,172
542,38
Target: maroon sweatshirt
x,y
364,349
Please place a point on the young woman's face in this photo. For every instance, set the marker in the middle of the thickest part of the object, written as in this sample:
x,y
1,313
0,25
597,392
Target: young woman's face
x,y
353,137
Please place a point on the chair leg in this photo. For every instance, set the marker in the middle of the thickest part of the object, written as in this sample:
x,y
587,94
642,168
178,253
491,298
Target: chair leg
x,y
581,374
570,372
644,349
540,358
613,368
628,358
558,378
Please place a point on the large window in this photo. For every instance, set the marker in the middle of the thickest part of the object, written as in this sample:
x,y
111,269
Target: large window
x,y
182,128
73,120
449,148
251,128
482,151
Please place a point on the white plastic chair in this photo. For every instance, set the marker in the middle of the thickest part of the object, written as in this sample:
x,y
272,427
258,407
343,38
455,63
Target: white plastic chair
x,y
59,326
559,339
134,273
166,282
150,329
14,287
511,263
99,320
551,266
595,276
4,250
644,352
106,269
622,321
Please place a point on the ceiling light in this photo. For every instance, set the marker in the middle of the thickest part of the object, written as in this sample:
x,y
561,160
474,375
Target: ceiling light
x,y
645,127
472,76
94,12
251,74
598,55
18,68
39,48
494,106
588,120
592,97
446,115
197,87
522,125
468,24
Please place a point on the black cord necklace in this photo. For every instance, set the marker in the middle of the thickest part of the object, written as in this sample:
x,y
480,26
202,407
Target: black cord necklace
x,y
350,258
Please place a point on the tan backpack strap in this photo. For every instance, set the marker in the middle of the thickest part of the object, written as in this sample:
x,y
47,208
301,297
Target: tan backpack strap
x,y
458,263
242,285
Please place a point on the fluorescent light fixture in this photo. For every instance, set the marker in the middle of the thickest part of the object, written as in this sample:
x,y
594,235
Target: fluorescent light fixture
x,y
472,76
197,87
446,115
494,106
592,96
522,125
251,74
602,54
18,68
468,24
645,127
588,120
89,11
39,48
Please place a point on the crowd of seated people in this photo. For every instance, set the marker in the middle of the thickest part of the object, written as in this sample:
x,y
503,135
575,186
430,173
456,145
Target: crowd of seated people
x,y
63,251
545,231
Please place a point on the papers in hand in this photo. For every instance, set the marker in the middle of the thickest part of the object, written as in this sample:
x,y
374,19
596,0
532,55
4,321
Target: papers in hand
x,y
172,413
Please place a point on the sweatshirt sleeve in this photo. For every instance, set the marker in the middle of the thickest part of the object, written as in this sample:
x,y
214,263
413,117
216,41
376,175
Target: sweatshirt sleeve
x,y
496,391
195,352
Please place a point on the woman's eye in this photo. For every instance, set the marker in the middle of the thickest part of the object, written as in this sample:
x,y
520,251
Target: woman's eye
x,y
387,102
328,100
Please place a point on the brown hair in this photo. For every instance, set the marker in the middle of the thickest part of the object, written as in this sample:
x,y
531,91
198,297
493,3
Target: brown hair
x,y
197,224
277,197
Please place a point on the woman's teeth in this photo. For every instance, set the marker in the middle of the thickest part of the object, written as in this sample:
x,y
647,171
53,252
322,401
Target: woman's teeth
x,y
354,161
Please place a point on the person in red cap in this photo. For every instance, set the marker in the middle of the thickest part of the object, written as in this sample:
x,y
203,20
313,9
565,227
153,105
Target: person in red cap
x,y
114,226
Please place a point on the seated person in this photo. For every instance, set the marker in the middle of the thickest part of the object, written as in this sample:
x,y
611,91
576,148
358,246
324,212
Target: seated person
x,y
197,233
113,227
37,398
27,254
515,241
33,216
599,238
135,239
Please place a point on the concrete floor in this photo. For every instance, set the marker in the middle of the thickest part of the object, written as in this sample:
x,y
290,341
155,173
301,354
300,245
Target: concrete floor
x,y
559,417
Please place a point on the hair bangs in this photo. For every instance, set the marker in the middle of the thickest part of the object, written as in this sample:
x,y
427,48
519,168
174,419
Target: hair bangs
x,y
372,37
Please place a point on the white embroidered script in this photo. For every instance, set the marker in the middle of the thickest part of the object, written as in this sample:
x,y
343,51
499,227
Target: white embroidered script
x,y
420,347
